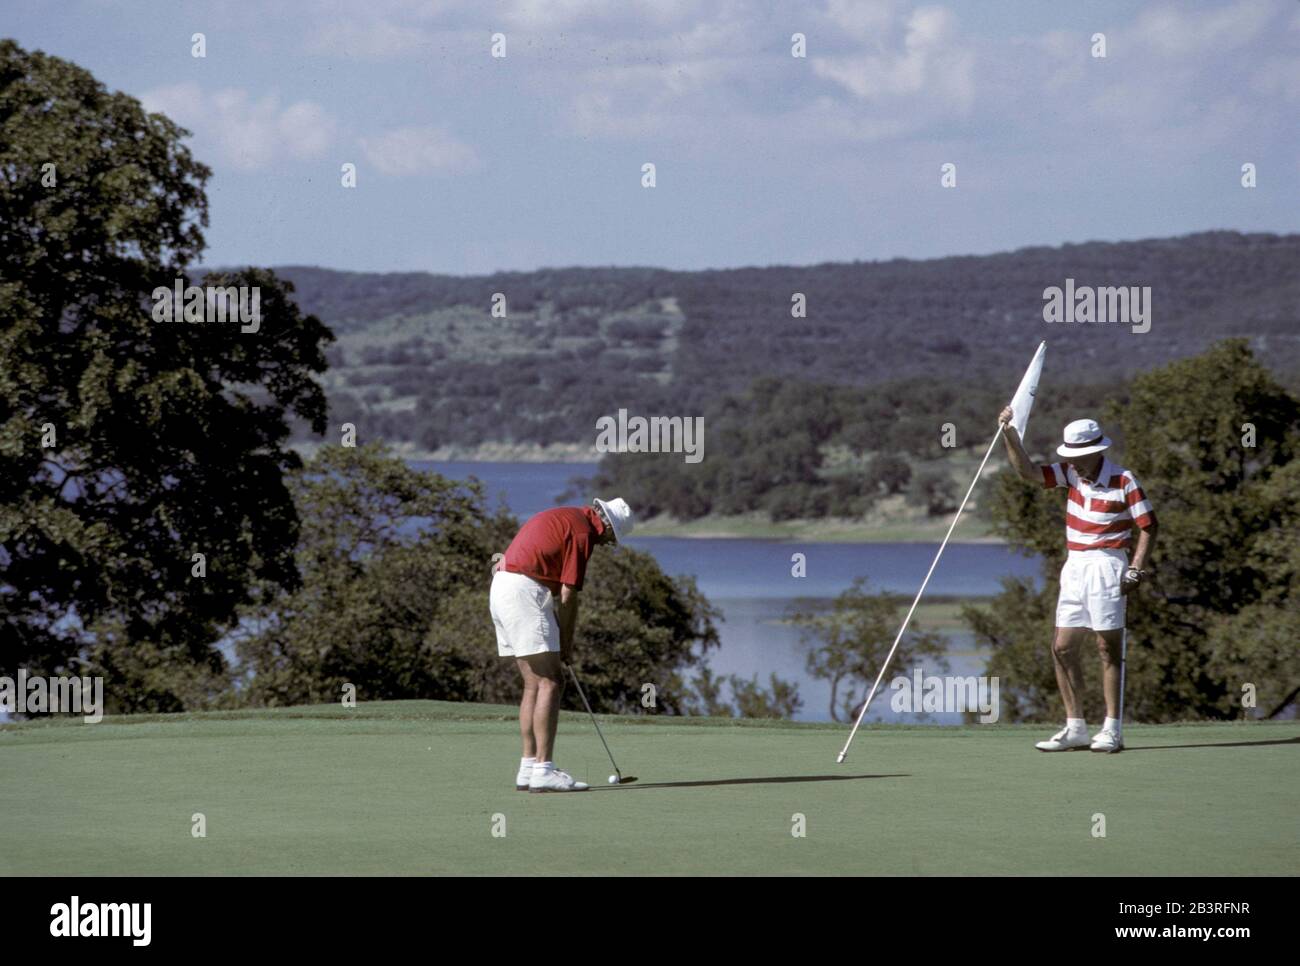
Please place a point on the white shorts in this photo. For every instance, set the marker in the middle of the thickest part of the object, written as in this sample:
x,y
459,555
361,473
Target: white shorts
x,y
523,615
1090,590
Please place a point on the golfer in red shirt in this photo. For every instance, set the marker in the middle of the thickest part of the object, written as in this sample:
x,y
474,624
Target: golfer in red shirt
x,y
542,572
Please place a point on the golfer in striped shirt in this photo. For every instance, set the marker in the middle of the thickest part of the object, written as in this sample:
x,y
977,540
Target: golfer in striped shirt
x,y
1105,504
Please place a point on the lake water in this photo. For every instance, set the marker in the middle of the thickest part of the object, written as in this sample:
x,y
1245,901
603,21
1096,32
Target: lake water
x,y
750,581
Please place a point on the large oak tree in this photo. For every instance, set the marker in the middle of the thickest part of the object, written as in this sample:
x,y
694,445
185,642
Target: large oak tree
x,y
128,446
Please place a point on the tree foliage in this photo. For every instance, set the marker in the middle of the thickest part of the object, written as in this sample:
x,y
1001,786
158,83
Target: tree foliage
x,y
386,553
129,445
936,329
639,626
394,601
848,644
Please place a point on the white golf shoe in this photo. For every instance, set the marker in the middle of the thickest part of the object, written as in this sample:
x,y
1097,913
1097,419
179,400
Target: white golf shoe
x,y
523,778
1108,741
1065,740
554,781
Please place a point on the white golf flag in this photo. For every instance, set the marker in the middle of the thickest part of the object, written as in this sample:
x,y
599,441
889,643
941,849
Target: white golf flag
x,y
1023,401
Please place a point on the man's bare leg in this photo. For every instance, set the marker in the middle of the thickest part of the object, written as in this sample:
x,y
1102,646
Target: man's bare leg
x,y
527,706
546,673
1108,644
1069,667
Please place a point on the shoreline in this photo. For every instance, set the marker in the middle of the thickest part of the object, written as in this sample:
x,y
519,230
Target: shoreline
x,y
818,530
892,522
480,453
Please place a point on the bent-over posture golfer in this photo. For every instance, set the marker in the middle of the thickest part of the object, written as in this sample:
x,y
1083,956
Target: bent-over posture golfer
x,y
542,572
1106,502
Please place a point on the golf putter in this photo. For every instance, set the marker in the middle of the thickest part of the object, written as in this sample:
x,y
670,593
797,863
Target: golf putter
x,y
1123,667
617,774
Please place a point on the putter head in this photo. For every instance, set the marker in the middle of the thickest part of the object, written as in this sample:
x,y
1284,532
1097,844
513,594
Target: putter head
x,y
626,779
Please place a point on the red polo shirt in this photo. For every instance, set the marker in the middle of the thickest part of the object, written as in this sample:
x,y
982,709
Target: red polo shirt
x,y
554,546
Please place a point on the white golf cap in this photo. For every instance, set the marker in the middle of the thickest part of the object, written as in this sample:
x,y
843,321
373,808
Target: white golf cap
x,y
619,515
1082,437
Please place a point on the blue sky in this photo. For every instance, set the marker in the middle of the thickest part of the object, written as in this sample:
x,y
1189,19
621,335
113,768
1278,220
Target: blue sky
x,y
470,164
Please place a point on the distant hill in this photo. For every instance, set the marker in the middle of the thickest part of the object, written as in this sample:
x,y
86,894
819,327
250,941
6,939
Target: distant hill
x,y
420,357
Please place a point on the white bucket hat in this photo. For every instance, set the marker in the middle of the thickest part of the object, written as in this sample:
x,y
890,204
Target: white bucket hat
x,y
619,515
1082,437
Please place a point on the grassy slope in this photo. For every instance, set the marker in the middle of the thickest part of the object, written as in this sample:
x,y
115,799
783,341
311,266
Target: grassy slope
x,y
412,788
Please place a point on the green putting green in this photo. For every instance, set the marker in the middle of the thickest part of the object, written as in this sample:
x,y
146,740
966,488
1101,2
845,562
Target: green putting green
x,y
420,787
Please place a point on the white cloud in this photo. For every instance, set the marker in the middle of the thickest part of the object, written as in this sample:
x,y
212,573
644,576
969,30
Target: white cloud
x,y
591,16
246,131
862,19
366,39
931,61
1175,31
702,76
407,151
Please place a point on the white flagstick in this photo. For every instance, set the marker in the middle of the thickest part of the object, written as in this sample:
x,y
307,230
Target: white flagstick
x,y
906,620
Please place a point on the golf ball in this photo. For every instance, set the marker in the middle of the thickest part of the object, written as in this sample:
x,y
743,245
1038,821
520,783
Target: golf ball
x,y
613,779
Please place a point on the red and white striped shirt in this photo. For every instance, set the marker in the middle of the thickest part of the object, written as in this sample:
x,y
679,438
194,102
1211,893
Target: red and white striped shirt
x,y
1100,514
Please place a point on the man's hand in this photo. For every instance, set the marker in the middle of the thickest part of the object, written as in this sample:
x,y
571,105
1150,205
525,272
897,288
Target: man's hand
x,y
1131,579
1020,460
1136,571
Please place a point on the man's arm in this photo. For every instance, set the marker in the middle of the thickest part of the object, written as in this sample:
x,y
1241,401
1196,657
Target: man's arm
x,y
1026,467
568,619
1146,543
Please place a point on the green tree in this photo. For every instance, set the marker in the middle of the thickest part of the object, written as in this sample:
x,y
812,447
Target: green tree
x,y
704,696
779,700
396,570
638,626
889,472
130,445
749,699
849,642
1220,610
935,490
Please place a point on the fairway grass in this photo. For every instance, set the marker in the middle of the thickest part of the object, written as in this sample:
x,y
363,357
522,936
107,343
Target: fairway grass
x,y
418,787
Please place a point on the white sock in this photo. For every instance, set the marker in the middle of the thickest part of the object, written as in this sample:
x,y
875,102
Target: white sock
x,y
544,767
525,762
1112,724
1076,724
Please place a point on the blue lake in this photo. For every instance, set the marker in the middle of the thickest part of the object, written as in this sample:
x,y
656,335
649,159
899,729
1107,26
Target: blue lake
x,y
750,581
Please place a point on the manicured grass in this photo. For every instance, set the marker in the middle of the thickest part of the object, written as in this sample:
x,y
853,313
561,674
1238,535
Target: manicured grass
x,y
416,787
